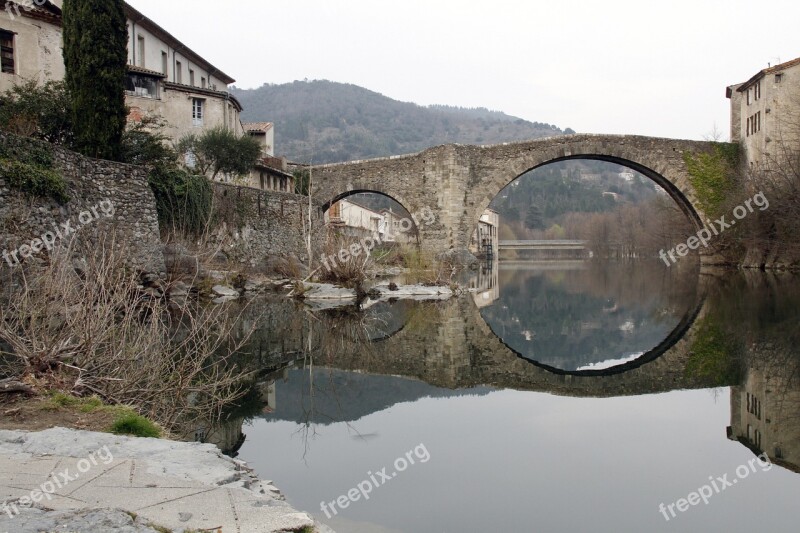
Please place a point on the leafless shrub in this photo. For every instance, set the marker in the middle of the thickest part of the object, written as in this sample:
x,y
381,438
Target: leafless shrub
x,y
353,271
89,327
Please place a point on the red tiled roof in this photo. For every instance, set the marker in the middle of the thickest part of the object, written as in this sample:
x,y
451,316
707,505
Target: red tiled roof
x,y
770,70
142,70
260,127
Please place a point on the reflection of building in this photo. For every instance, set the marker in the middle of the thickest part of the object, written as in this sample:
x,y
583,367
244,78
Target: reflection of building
x,y
765,417
227,435
485,284
485,240
765,111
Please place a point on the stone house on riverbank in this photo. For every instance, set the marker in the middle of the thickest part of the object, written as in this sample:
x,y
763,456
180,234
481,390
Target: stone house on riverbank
x,y
765,114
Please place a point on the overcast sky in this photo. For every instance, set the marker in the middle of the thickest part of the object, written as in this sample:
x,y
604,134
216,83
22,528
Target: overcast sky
x,y
616,66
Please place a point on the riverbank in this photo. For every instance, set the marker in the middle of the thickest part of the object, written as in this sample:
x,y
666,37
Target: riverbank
x,y
89,481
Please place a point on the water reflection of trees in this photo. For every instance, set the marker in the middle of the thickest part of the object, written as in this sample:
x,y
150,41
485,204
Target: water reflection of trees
x,y
571,318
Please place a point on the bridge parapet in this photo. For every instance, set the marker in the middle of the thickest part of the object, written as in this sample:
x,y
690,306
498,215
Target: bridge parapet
x,y
457,182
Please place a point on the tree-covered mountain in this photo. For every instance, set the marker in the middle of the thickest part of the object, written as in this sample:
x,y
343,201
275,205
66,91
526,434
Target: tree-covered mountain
x,y
540,198
325,121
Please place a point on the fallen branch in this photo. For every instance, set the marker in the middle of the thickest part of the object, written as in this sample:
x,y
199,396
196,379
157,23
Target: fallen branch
x,y
11,386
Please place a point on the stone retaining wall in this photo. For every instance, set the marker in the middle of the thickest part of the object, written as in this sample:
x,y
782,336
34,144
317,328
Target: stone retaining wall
x,y
258,225
113,199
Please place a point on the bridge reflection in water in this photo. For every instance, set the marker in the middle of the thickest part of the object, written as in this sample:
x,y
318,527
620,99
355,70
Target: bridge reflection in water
x,y
448,347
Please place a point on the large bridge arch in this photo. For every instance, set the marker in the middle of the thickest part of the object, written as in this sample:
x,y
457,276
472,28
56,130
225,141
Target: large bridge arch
x,y
457,182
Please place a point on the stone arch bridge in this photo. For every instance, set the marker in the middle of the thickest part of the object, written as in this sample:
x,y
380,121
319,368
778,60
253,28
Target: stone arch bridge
x,y
457,182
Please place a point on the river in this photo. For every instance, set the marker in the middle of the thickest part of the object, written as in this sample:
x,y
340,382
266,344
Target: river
x,y
556,397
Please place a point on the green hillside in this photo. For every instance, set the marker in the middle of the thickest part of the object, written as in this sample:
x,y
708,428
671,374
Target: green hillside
x,y
324,121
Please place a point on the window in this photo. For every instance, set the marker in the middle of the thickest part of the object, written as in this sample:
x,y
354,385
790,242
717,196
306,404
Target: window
x,y
757,90
7,47
753,123
203,83
164,63
749,95
139,85
141,51
191,77
197,111
178,72
778,78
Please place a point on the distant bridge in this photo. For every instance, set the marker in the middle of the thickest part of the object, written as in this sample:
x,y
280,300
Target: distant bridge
x,y
543,245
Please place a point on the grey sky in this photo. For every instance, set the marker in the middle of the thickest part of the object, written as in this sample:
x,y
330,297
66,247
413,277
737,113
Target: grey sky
x,y
617,66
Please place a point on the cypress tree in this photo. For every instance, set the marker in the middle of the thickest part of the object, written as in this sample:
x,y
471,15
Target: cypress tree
x,y
95,56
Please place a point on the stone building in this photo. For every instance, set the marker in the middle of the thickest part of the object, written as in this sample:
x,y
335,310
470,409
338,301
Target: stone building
x,y
356,220
765,114
165,77
485,239
30,39
168,79
264,133
270,173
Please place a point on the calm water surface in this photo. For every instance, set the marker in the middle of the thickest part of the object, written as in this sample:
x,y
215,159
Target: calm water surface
x,y
556,397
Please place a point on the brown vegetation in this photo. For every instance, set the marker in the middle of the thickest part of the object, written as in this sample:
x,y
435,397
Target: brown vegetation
x,y
89,327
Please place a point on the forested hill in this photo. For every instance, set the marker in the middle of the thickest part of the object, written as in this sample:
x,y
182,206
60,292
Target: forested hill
x,y
325,122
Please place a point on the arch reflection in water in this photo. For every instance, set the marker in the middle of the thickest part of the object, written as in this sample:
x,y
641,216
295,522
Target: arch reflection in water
x,y
585,316
342,399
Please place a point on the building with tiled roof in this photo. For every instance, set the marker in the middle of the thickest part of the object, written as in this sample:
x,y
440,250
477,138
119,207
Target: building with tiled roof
x,y
264,132
165,77
765,114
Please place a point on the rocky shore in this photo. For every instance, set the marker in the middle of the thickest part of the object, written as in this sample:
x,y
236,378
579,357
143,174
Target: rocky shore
x,y
69,480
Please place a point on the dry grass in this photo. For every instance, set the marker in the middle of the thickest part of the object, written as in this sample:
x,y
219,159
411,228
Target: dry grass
x,y
351,273
95,331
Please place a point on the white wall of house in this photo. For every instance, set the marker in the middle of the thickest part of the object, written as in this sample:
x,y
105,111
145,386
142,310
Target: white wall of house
x,y
37,50
159,56
178,107
352,215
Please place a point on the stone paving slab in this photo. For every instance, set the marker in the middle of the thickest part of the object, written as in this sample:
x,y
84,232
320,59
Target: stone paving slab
x,y
84,480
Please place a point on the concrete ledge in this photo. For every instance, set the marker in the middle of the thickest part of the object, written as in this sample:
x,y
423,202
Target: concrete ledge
x,y
178,485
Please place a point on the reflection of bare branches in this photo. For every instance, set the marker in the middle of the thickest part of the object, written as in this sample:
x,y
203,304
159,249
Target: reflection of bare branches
x,y
328,334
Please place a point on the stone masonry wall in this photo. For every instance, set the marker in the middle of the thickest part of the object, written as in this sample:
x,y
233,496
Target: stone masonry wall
x,y
109,202
259,226
457,182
